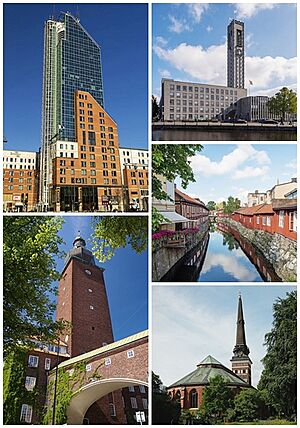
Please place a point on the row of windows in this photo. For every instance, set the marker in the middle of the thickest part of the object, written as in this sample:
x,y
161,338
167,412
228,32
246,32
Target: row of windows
x,y
20,187
211,97
20,180
17,166
33,361
196,110
141,182
184,88
19,173
201,103
267,221
21,160
106,181
190,116
140,154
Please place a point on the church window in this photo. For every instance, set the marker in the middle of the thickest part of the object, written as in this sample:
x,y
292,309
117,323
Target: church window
x,y
194,399
88,367
26,413
47,363
30,383
107,361
131,388
33,361
142,389
133,402
130,353
112,409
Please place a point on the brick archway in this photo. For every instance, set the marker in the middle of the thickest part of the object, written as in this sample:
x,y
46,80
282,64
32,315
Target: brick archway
x,y
92,392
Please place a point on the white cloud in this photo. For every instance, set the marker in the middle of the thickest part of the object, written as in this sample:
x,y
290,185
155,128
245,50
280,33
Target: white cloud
x,y
178,26
165,73
250,171
209,28
197,10
272,91
228,264
248,10
263,71
188,324
161,41
230,162
292,165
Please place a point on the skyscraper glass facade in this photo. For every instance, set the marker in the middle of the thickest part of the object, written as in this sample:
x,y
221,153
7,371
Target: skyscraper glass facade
x,y
72,61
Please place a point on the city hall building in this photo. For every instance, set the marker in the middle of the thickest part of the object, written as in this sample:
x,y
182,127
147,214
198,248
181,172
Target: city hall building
x,y
199,101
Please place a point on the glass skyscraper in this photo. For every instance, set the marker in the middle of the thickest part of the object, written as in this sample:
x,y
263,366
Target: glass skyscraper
x,y
72,61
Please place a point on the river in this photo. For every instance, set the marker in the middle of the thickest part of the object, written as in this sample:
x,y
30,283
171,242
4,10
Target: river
x,y
224,135
222,257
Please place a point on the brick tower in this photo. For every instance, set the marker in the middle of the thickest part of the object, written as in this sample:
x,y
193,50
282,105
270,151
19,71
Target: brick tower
x,y
240,362
82,301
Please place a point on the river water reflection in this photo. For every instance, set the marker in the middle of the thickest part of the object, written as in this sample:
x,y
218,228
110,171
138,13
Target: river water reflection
x,y
224,135
223,258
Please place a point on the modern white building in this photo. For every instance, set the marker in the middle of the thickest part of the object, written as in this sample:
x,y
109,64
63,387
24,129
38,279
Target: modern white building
x,y
134,158
15,159
186,101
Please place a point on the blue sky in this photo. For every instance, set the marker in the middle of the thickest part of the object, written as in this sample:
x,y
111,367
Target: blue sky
x,y
124,65
125,277
191,322
189,43
223,170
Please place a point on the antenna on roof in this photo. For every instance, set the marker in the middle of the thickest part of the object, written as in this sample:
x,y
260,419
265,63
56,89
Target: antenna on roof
x,y
77,13
53,12
239,293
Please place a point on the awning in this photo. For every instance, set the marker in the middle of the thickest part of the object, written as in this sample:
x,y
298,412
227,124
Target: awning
x,y
173,216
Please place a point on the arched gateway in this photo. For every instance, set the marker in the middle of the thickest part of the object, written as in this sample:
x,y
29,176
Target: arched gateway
x,y
97,373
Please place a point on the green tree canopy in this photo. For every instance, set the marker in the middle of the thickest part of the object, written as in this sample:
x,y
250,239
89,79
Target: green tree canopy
x,y
171,161
217,399
165,411
155,108
231,205
211,205
279,376
29,246
283,102
111,233
248,405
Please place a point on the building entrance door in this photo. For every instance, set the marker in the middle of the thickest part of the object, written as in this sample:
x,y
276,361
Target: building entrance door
x,y
69,198
89,198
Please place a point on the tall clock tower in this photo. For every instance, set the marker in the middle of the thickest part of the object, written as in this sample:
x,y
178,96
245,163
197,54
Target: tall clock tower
x,y
240,362
236,54
82,301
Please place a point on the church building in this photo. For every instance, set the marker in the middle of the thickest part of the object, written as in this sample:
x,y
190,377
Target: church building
x,y
189,390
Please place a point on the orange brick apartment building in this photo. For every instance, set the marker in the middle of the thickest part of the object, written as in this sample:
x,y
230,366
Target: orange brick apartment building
x,y
20,180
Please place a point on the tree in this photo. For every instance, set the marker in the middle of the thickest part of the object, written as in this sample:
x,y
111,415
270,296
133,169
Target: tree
x,y
217,399
248,405
155,108
165,411
171,161
283,102
29,247
211,205
111,233
279,376
231,205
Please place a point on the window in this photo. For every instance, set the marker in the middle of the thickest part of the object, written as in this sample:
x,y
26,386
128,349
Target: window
x,y
112,409
93,172
33,361
264,221
30,382
142,389
88,367
83,172
293,221
281,219
107,361
194,399
145,403
257,219
131,389
26,413
133,402
130,353
106,181
268,220
91,138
